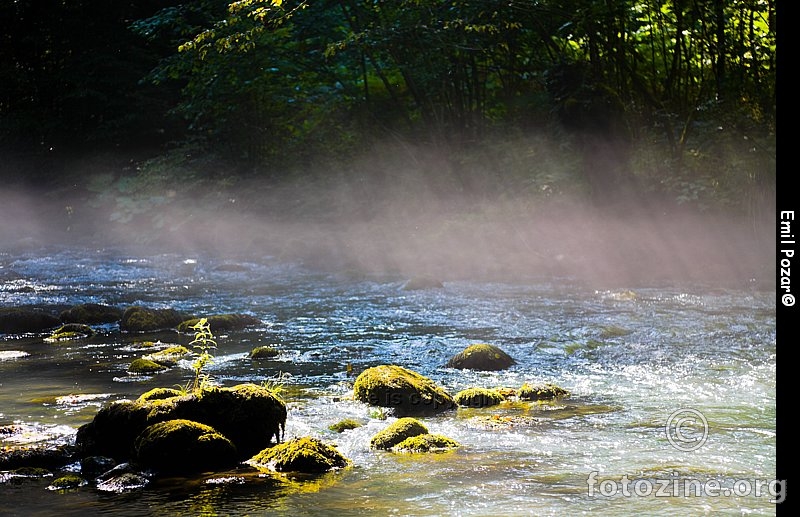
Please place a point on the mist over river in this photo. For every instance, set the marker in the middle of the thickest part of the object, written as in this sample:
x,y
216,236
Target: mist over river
x,y
634,357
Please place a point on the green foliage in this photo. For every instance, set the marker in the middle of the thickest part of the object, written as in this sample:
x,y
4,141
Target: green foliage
x,y
203,342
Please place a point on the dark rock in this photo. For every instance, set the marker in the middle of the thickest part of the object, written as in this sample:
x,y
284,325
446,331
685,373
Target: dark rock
x,y
219,322
248,415
42,456
141,319
16,320
91,313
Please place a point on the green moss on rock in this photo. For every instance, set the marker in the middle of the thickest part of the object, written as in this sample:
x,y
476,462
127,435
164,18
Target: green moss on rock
x,y
219,322
426,443
396,432
183,446
142,366
304,454
70,332
478,397
247,414
142,319
407,392
169,356
540,392
263,352
67,482
343,425
481,357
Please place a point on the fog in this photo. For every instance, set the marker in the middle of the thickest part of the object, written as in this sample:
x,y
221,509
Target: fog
x,y
407,217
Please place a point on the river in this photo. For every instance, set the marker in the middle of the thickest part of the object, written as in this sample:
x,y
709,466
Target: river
x,y
636,361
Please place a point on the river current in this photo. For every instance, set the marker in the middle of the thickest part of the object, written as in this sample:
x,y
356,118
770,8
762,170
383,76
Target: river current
x,y
671,410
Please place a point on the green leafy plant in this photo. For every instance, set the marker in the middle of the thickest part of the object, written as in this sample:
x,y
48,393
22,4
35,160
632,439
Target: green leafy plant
x,y
203,342
276,384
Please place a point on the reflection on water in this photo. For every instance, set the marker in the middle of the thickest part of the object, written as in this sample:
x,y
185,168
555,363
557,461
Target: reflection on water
x,y
629,357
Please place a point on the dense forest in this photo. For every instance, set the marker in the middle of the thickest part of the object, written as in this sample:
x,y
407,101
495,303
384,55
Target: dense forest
x,y
674,100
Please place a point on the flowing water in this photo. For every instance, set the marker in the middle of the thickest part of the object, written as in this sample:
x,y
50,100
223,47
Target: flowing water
x,y
630,357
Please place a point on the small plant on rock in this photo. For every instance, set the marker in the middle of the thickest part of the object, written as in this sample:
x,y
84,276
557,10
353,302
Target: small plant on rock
x,y
203,342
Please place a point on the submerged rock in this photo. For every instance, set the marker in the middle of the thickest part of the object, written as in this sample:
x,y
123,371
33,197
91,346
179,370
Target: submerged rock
x,y
481,357
67,482
396,432
69,332
407,392
344,425
36,456
16,320
305,454
168,357
142,366
250,416
426,443
91,313
183,446
142,319
263,352
478,397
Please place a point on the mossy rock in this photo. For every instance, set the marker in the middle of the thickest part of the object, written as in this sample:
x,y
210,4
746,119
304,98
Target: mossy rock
x,y
31,472
263,352
478,397
396,432
168,357
481,357
17,320
35,456
219,322
70,332
142,319
67,482
250,416
183,446
426,443
344,425
142,366
541,392
407,392
304,454
91,313
160,394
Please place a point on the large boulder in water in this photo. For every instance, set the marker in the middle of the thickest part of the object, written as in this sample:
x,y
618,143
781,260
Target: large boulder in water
x,y
407,392
250,416
16,320
142,319
183,446
91,313
481,357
